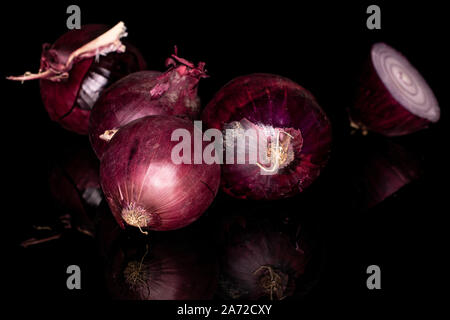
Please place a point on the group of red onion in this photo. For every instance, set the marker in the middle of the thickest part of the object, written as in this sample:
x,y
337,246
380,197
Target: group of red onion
x,y
93,83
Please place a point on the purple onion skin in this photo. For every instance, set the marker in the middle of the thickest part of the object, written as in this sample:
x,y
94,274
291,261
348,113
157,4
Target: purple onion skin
x,y
168,269
256,253
375,109
272,100
125,101
68,101
137,96
140,181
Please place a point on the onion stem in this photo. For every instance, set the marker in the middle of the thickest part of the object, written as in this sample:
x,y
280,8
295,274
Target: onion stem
x,y
102,45
108,134
33,241
47,74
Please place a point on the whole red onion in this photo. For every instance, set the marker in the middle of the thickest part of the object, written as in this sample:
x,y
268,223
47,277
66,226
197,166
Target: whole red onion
x,y
78,67
146,93
297,131
262,261
144,187
393,99
176,267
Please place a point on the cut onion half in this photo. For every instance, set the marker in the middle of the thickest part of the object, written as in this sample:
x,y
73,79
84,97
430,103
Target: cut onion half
x,y
393,98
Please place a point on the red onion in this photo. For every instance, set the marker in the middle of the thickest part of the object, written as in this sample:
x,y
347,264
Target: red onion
x,y
172,268
144,187
143,94
78,67
296,128
262,262
393,98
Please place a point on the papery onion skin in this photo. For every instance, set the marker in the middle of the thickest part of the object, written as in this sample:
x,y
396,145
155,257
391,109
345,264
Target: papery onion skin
x,y
178,268
259,261
69,99
392,99
146,93
275,102
142,185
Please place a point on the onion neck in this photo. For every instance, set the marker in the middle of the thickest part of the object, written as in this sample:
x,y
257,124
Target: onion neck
x,y
180,80
185,67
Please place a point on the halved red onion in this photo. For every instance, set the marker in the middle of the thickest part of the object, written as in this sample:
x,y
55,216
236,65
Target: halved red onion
x,y
393,98
295,128
78,67
144,187
146,93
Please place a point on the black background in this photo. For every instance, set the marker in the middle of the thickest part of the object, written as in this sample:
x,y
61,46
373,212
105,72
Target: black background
x,y
321,46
